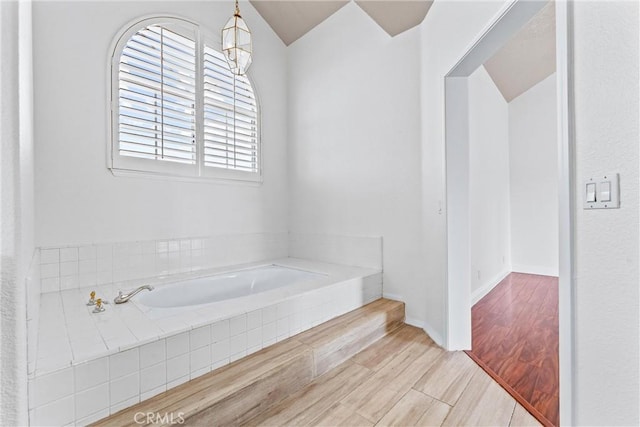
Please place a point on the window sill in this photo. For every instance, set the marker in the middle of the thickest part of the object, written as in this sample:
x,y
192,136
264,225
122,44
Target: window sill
x,y
130,173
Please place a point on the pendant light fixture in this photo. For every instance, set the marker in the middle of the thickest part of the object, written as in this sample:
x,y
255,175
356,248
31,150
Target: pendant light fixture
x,y
236,43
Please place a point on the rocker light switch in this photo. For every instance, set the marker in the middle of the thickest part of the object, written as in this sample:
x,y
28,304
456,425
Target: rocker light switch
x,y
602,192
605,191
591,192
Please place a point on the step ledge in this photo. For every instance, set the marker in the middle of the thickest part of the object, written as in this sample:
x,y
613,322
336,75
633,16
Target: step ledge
x,y
242,390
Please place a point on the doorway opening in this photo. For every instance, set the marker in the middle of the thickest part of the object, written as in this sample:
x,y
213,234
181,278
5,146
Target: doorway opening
x,y
463,274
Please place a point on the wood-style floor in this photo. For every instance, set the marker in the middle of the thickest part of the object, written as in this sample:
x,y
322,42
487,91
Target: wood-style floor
x,y
403,379
515,339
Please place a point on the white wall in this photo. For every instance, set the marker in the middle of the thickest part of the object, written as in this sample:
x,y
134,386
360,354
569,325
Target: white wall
x,y
533,163
513,182
441,48
489,211
354,136
78,201
16,210
606,291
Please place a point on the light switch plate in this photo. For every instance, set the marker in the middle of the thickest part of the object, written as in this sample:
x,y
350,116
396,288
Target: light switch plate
x,y
607,192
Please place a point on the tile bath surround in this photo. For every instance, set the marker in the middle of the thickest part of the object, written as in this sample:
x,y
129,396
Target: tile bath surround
x,y
121,357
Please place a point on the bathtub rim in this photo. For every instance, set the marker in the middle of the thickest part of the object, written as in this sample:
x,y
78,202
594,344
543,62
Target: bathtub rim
x,y
339,273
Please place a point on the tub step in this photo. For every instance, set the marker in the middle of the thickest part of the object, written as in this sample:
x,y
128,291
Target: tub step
x,y
238,392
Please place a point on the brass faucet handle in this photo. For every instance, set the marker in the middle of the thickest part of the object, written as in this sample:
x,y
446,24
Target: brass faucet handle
x,y
92,298
99,308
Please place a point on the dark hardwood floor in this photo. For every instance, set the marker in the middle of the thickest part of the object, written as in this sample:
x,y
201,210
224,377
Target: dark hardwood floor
x,y
515,340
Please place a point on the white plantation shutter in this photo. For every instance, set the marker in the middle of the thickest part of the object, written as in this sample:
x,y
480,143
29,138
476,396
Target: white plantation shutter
x,y
157,96
230,117
177,108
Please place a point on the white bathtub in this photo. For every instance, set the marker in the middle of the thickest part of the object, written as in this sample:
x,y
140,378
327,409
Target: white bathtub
x,y
221,287
173,342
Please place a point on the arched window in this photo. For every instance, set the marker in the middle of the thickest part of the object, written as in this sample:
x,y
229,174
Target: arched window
x,y
176,107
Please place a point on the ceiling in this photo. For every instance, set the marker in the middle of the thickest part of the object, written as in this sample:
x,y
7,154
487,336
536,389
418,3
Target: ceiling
x,y
290,20
396,17
528,58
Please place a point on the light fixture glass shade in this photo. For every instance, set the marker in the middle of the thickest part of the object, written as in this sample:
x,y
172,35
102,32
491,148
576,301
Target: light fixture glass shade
x,y
236,44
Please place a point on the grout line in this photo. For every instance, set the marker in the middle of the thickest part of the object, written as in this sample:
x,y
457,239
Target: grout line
x,y
513,412
433,397
393,406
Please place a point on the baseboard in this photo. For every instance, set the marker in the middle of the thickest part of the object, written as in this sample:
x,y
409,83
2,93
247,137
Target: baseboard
x,y
394,297
535,269
478,294
414,322
436,337
428,329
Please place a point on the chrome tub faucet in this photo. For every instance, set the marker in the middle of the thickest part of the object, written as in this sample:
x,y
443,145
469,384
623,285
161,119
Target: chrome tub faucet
x,y
122,298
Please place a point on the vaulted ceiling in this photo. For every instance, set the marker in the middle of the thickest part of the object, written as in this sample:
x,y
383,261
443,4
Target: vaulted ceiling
x,y
396,17
292,19
527,59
